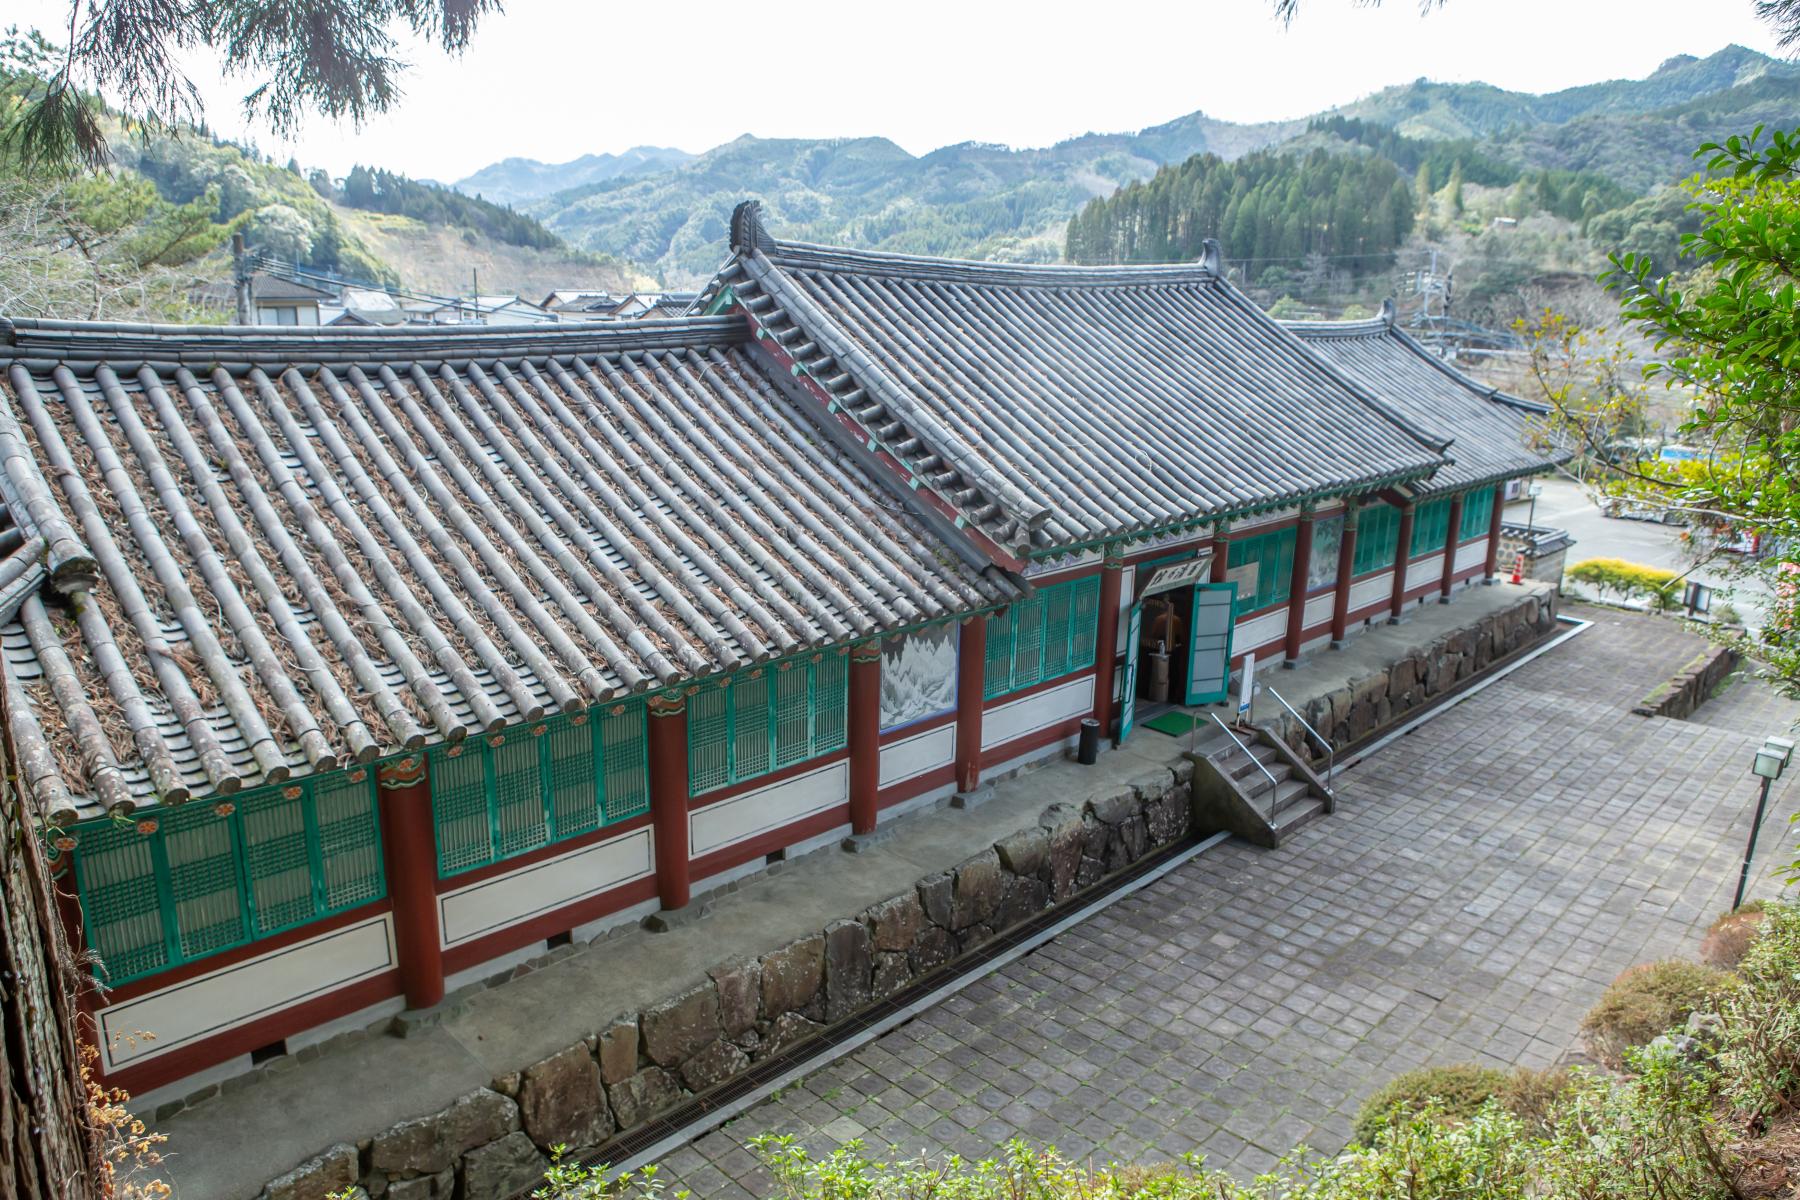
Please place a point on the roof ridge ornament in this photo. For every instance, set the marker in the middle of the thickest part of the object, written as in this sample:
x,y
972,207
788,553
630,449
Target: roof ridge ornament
x,y
747,232
1389,312
1212,257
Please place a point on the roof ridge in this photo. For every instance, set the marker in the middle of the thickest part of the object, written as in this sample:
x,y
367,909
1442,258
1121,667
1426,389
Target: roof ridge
x,y
33,337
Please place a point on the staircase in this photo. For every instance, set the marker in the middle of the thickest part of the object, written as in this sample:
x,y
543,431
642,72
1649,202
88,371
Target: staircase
x,y
1253,785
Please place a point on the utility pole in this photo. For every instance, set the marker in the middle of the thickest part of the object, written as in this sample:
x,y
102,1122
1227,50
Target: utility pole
x,y
240,278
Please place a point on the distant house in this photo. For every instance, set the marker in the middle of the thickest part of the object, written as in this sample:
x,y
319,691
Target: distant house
x,y
276,301
506,310
653,304
369,306
579,302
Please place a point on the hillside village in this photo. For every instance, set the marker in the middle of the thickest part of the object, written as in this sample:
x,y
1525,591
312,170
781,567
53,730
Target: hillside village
x,y
805,670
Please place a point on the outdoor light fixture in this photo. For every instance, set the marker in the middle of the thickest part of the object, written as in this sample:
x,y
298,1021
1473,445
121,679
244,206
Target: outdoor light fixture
x,y
1772,758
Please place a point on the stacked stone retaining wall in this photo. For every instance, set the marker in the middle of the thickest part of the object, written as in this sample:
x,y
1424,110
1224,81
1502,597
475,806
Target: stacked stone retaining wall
x,y
1691,687
1366,705
496,1140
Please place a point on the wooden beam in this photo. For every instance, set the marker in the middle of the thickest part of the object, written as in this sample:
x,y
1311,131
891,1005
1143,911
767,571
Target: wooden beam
x,y
1452,537
864,735
971,678
669,796
1296,626
1106,637
1491,571
409,840
1402,556
1340,607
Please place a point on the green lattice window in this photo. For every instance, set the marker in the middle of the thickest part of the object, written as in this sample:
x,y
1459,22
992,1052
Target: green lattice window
x,y
1377,538
176,884
1478,511
1272,556
1047,636
756,723
1431,526
497,797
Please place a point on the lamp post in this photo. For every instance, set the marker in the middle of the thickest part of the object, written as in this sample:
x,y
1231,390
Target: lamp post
x,y
1533,491
1772,758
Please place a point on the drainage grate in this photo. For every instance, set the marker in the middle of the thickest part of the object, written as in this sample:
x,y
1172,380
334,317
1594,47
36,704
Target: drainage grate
x,y
697,1111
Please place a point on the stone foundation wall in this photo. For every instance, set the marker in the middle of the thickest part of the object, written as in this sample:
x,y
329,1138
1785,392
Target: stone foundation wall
x,y
1691,687
1366,705
494,1141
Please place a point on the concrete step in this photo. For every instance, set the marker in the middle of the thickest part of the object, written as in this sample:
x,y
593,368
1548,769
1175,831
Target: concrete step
x,y
1296,815
1291,792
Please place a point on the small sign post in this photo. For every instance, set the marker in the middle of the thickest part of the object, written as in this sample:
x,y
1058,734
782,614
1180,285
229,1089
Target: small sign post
x,y
1247,687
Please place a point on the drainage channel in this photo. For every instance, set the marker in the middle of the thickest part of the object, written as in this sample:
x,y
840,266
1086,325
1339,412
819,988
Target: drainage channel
x,y
704,1113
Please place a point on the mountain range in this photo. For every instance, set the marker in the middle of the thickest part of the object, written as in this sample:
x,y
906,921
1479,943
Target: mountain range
x,y
668,210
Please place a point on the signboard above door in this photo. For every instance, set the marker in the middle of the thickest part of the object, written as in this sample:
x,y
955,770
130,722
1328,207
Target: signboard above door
x,y
1174,575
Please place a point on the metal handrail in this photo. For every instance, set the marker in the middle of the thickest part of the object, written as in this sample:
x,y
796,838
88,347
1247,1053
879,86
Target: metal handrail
x,y
1236,741
1330,751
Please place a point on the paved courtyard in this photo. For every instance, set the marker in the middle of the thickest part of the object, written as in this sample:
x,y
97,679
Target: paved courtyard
x,y
1482,881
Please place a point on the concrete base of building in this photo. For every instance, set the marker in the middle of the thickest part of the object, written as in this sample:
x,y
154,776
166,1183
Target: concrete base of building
x,y
974,799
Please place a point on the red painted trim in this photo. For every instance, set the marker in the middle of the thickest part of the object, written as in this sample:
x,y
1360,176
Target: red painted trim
x,y
864,737
918,785
792,770
1297,593
1450,544
1221,559
1199,541
920,487
738,853
409,841
1493,551
238,954
1042,685
1263,612
1402,559
1106,643
221,1047
1026,743
1371,610
668,752
971,680
922,725
1340,605
1265,653
490,946
506,866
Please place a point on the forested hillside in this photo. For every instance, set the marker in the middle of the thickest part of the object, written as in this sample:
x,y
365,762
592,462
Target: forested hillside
x,y
1268,207
1580,151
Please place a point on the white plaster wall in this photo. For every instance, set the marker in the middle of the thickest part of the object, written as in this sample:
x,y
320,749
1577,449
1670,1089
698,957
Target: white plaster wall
x,y
1258,631
745,816
235,995
1319,607
502,900
1472,555
1040,710
912,756
1372,590
1429,569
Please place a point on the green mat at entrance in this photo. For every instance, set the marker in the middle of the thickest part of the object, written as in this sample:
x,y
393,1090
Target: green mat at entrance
x,y
1172,723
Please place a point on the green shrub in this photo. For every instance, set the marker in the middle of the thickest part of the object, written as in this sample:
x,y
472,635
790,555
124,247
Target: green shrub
x,y
1652,1135
1454,1093
1626,579
1728,939
1646,1001
1759,1045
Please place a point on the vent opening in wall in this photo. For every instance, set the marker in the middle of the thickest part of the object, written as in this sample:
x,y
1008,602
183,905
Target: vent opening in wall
x,y
263,1054
775,856
566,937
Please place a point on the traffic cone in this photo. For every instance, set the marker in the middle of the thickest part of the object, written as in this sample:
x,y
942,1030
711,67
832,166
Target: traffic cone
x,y
1518,575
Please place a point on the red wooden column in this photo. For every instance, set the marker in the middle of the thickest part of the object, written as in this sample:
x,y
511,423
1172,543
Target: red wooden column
x,y
409,840
1340,606
1106,638
1221,552
1452,535
1296,626
1493,555
1402,556
971,678
864,735
669,796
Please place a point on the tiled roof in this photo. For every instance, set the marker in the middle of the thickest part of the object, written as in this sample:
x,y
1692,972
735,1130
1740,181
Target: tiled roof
x,y
1047,406
1487,429
280,552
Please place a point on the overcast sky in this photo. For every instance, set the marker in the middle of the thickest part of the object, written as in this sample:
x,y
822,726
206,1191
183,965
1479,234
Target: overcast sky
x,y
555,79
